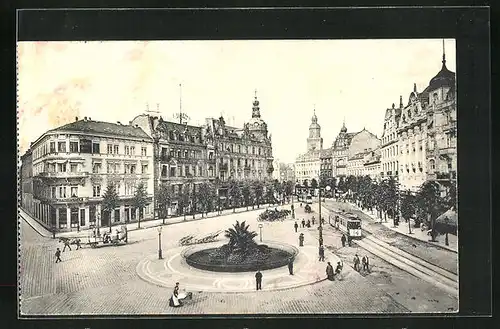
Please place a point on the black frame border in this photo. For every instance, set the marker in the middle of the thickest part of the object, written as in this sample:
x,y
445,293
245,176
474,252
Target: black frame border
x,y
470,26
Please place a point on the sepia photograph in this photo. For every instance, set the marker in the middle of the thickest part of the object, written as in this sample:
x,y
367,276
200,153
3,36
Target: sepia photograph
x,y
200,177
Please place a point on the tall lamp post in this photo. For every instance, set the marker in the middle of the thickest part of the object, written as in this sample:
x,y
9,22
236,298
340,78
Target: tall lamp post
x,y
160,256
320,228
260,228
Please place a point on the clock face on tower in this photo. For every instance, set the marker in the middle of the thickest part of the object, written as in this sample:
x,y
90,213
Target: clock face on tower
x,y
256,124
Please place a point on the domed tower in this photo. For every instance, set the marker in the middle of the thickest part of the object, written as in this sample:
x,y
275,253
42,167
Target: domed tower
x,y
256,125
314,142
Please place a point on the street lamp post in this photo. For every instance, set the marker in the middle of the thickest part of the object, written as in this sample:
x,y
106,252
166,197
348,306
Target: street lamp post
x,y
409,219
159,244
260,228
320,228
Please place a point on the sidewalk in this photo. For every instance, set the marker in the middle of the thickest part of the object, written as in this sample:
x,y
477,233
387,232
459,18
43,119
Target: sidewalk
x,y
417,233
34,224
144,224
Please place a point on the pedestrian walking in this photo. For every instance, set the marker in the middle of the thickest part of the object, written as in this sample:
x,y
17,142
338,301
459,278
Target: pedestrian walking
x,y
308,223
78,246
313,220
296,226
303,223
366,262
290,266
343,240
66,244
321,253
338,269
356,263
58,255
349,239
301,240
258,280
329,272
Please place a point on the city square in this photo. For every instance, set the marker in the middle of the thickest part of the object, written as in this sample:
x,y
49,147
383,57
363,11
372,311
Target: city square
x,y
184,211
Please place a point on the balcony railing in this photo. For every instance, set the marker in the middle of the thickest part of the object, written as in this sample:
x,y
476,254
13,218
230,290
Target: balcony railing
x,y
247,168
64,174
223,167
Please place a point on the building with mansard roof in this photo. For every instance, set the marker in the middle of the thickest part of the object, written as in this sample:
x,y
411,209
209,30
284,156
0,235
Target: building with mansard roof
x,y
426,133
72,166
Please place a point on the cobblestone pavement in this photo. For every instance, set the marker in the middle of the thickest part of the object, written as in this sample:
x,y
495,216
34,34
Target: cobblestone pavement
x,y
433,254
104,280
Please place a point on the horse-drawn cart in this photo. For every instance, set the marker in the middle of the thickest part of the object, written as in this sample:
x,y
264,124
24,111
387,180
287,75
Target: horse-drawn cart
x,y
119,237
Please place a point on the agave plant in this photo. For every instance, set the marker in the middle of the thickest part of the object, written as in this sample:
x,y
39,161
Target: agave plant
x,y
240,237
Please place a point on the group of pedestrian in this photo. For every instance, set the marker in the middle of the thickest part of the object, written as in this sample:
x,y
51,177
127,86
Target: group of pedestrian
x,y
330,273
67,244
346,239
363,265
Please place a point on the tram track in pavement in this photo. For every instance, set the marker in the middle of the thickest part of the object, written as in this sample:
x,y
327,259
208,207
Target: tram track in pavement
x,y
418,267
414,265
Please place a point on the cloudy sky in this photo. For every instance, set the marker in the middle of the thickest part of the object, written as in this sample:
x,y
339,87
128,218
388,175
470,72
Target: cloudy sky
x,y
113,81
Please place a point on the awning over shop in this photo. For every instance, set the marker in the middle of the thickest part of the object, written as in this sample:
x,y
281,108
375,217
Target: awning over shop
x,y
450,217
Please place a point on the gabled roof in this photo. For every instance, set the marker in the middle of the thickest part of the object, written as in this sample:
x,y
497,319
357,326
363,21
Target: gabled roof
x,y
100,127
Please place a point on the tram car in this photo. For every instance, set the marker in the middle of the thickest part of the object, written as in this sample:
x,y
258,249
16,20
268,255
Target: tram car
x,y
350,224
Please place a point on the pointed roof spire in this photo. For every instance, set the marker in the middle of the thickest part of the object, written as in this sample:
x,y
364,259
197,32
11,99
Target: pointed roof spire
x,y
255,108
414,87
444,56
343,129
400,101
255,91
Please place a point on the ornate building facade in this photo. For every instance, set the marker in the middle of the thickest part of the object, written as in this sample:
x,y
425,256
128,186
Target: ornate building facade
x,y
351,147
240,153
427,133
180,155
390,147
73,165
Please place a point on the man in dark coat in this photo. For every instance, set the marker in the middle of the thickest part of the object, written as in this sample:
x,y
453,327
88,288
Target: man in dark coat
x,y
303,223
365,263
58,255
66,244
329,272
258,280
290,266
78,246
301,240
356,263
338,269
343,240
321,253
313,220
296,226
308,223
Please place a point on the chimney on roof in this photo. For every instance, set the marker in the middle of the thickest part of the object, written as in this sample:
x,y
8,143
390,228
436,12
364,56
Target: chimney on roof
x,y
137,126
118,122
84,118
76,118
90,119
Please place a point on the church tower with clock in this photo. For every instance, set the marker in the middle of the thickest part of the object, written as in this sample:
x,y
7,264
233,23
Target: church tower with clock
x,y
315,141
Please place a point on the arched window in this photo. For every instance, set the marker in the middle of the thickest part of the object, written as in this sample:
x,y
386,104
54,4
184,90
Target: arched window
x,y
432,164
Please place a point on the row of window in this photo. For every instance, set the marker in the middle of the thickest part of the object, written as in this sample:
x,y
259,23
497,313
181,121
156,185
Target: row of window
x,y
186,154
183,171
117,168
84,146
244,149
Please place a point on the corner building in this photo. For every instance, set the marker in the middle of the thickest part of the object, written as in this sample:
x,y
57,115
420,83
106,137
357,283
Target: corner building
x,y
72,166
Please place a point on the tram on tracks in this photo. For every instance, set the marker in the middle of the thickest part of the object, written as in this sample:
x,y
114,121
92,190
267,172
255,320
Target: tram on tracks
x,y
348,223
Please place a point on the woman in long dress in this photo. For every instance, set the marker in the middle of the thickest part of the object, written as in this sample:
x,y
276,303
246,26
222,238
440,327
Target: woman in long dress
x,y
174,300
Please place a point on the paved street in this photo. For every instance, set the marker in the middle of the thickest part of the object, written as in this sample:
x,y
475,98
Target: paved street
x,y
105,281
